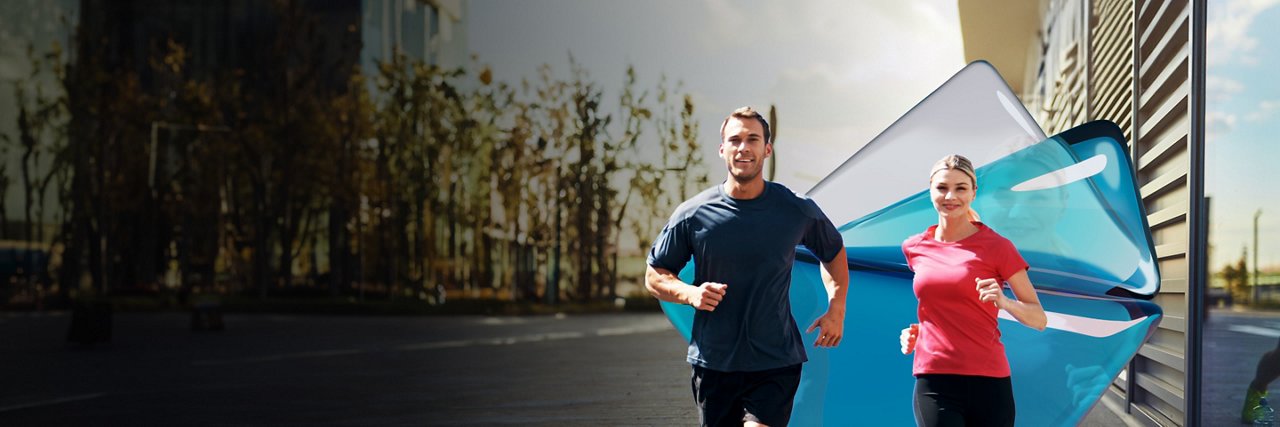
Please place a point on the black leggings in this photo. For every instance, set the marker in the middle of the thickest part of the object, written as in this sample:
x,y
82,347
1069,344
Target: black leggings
x,y
963,400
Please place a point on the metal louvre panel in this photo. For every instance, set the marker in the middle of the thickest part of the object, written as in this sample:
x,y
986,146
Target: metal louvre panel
x,y
1111,63
1131,62
1160,130
1150,39
1065,87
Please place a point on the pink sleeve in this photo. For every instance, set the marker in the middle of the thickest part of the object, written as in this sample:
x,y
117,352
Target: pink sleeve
x,y
1011,261
907,253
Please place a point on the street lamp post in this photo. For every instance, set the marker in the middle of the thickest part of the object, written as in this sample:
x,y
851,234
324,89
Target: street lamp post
x,y
1256,214
552,292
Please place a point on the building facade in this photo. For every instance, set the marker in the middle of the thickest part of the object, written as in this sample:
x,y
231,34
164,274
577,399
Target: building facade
x,y
277,50
1130,62
433,31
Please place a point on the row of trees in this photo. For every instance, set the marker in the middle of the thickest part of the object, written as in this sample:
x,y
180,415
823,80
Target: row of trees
x,y
281,177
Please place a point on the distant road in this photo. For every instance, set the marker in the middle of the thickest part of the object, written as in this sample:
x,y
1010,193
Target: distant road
x,y
1233,343
623,369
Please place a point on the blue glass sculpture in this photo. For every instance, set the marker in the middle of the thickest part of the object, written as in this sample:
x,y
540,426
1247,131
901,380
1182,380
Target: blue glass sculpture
x,y
1070,205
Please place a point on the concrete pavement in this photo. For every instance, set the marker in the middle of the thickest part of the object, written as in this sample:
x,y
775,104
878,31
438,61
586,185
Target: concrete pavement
x,y
625,369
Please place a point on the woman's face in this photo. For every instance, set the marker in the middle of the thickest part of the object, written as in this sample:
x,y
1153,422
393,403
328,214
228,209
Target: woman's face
x,y
951,191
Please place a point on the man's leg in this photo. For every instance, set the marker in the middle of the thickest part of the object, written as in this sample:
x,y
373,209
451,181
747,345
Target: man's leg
x,y
1268,371
769,396
717,396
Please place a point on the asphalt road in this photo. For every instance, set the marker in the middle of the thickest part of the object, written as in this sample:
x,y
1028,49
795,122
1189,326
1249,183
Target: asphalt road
x,y
333,370
1233,344
623,369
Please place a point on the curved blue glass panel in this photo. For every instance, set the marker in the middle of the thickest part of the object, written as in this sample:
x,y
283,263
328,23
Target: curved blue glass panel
x,y
1070,205
1058,374
1071,210
974,112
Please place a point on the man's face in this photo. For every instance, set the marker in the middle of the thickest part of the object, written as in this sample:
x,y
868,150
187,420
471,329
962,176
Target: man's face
x,y
744,149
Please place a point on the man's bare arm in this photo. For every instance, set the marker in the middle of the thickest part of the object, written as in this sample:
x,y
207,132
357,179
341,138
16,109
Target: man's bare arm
x,y
665,286
835,276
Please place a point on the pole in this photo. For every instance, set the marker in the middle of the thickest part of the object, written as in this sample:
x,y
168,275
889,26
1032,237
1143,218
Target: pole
x,y
1256,292
553,287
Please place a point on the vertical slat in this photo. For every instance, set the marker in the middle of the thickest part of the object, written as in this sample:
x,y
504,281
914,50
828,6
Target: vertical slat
x,y
1197,215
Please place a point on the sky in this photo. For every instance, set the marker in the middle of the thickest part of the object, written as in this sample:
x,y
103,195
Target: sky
x,y
841,72
838,72
1242,108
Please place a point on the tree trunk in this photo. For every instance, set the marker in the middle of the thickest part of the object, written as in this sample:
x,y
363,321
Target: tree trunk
x,y
288,232
339,251
262,240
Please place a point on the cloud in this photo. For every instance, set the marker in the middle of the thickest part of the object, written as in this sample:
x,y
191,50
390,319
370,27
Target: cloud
x,y
728,24
823,96
1228,36
1221,89
1218,124
864,39
825,113
1265,110
802,163
839,72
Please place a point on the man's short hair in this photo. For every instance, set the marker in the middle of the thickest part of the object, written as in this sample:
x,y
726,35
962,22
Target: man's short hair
x,y
747,113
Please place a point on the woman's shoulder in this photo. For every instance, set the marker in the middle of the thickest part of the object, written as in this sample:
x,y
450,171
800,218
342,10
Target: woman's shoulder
x,y
991,236
915,239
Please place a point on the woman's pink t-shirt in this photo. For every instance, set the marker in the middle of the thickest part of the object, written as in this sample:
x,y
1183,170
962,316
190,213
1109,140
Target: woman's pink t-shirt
x,y
959,333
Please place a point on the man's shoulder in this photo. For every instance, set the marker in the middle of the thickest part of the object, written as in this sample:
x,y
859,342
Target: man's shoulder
x,y
688,207
782,194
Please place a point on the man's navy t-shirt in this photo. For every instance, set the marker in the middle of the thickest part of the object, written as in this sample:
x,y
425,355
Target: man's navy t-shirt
x,y
750,246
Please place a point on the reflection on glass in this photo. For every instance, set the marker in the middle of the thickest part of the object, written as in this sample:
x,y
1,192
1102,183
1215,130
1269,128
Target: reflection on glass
x,y
1242,305
1031,215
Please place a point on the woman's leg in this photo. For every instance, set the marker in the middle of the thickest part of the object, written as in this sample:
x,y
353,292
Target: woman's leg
x,y
939,401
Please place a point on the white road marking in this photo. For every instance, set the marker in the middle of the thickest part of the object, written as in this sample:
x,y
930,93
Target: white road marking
x,y
52,401
1255,330
434,345
279,357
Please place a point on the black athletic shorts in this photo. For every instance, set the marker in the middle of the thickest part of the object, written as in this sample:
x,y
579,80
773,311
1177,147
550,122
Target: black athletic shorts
x,y
963,400
730,398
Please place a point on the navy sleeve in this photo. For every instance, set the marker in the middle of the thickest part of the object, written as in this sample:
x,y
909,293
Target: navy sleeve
x,y
671,250
822,238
